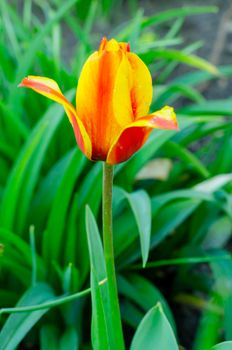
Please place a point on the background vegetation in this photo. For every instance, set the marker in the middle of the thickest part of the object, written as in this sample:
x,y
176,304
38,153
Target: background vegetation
x,y
172,200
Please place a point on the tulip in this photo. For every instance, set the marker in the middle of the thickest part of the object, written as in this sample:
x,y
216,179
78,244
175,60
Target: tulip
x,y
114,93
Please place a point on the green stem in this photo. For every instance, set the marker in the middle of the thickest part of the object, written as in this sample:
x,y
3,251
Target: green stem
x,y
48,304
109,253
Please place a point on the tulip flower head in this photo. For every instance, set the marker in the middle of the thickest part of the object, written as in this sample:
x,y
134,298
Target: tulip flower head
x,y
111,120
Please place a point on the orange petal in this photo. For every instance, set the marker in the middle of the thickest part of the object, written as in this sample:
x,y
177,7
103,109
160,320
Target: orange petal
x,y
50,89
132,138
102,44
94,99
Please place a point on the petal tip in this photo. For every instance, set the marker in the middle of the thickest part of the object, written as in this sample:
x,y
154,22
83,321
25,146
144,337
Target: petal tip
x,y
165,118
125,47
163,123
103,43
24,82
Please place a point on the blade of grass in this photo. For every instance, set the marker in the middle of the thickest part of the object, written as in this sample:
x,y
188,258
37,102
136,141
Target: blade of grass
x,y
162,17
29,56
53,236
17,326
103,316
177,13
218,107
175,55
181,261
26,169
140,204
184,154
49,304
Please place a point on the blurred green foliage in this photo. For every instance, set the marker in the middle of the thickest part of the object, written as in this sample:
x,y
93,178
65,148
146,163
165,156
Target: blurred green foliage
x,y
45,184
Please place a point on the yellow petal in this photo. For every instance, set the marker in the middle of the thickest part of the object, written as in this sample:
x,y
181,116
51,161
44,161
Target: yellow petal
x,y
122,105
108,45
141,93
133,89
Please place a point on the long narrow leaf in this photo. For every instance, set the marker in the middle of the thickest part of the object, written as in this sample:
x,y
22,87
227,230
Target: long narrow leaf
x,y
140,204
102,326
17,326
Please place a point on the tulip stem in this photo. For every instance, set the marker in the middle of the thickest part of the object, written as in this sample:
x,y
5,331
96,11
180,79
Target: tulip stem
x,y
109,253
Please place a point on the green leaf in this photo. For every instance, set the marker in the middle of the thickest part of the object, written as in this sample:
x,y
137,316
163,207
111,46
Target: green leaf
x,y
69,340
135,29
90,188
154,330
169,210
105,317
174,91
185,260
102,328
222,270
47,190
209,325
142,292
165,16
49,336
18,325
140,204
53,236
169,67
9,28
222,163
214,107
187,156
214,183
47,305
170,217
227,345
15,124
29,56
175,55
198,77
82,31
17,258
25,172
99,326
89,193
106,5
131,314
219,233
8,297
